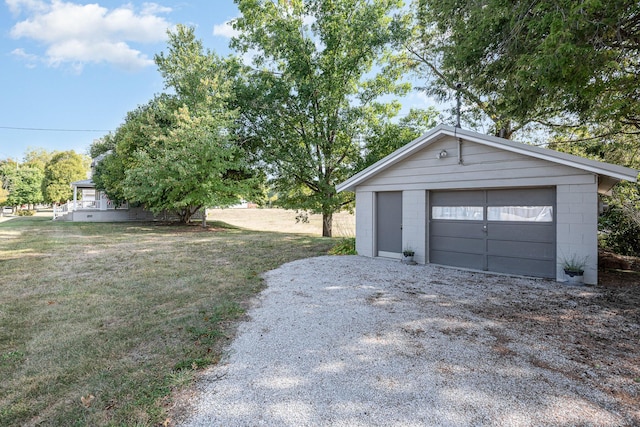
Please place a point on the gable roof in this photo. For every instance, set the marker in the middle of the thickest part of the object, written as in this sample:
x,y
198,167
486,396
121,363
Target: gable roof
x,y
85,183
611,173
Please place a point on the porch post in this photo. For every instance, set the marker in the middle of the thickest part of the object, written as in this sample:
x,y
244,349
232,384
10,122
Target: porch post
x,y
75,197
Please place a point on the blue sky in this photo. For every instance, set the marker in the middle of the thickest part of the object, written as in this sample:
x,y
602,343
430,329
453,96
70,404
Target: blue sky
x,y
75,68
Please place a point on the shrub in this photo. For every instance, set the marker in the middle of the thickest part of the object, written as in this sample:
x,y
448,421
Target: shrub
x,y
619,232
345,246
26,213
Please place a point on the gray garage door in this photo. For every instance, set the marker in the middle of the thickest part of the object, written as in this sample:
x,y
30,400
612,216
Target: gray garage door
x,y
389,223
509,231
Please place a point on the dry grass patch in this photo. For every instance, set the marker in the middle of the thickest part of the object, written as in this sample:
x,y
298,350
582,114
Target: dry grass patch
x,y
99,323
284,221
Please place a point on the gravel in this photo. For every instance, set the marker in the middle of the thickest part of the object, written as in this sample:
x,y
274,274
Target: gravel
x,y
354,341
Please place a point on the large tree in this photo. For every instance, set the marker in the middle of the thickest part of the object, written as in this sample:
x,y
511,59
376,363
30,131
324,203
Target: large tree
x,y
26,187
319,68
548,62
37,158
114,153
8,169
178,151
64,168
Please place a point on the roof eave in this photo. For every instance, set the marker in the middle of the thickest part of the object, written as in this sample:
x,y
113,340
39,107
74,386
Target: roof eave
x,y
599,168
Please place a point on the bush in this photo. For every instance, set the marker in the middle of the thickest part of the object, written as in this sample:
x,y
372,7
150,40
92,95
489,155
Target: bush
x,y
346,246
26,213
619,232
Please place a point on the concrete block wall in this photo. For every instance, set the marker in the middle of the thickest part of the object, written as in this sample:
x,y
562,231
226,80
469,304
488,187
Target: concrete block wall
x,y
577,228
414,223
365,223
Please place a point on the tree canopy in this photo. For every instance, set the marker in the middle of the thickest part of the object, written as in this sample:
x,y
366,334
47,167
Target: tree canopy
x,y
26,187
177,152
62,169
313,92
553,63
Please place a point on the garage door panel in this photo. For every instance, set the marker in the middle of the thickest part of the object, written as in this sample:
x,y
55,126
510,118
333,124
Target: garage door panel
x,y
456,259
501,243
531,250
521,197
457,198
472,229
528,232
527,267
459,244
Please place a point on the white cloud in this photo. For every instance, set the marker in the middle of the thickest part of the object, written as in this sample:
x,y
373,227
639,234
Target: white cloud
x,y
225,30
77,34
16,6
29,59
154,8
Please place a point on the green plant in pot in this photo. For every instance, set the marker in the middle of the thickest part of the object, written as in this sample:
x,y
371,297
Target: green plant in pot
x,y
407,256
574,268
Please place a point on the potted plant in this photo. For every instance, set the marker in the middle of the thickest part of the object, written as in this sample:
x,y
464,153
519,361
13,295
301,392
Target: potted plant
x,y
407,256
574,268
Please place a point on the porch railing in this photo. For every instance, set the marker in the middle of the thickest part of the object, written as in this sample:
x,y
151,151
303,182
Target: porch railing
x,y
61,210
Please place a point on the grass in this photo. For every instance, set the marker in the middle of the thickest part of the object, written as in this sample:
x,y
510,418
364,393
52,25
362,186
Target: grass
x,y
281,220
101,323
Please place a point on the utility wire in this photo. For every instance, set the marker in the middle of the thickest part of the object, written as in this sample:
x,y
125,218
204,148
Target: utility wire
x,y
54,130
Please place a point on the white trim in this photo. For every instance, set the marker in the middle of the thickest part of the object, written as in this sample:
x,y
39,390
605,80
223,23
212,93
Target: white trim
x,y
600,168
392,255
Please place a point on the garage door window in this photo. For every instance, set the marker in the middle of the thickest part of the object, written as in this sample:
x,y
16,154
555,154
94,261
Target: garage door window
x,y
463,213
520,213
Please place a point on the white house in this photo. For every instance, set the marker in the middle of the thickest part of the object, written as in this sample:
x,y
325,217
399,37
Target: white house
x,y
470,200
91,205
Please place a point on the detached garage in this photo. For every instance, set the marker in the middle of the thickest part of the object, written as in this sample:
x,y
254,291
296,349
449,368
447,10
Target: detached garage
x,y
469,200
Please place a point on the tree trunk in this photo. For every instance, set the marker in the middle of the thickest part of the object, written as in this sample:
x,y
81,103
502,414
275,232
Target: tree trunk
x,y
185,215
327,224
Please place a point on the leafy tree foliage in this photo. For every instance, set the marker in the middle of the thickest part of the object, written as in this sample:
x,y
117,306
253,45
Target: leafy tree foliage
x,y
21,183
191,167
620,223
8,169
107,167
312,95
37,158
178,152
565,62
26,187
3,196
114,153
386,137
64,168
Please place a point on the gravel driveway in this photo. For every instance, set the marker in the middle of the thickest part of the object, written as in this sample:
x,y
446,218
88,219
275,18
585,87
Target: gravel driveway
x,y
354,341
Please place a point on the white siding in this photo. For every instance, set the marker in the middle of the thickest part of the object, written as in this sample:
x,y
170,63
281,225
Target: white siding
x,y
577,227
365,223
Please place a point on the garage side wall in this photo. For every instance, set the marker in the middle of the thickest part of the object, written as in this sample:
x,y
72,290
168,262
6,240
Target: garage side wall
x,y
577,227
414,223
477,166
365,223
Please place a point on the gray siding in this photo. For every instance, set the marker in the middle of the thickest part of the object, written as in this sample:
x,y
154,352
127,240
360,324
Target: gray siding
x,y
482,167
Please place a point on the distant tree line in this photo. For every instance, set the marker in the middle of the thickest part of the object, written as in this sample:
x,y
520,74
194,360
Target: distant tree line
x,y
42,177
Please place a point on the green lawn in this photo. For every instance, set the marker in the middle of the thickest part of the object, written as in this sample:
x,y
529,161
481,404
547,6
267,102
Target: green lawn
x,y
101,323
